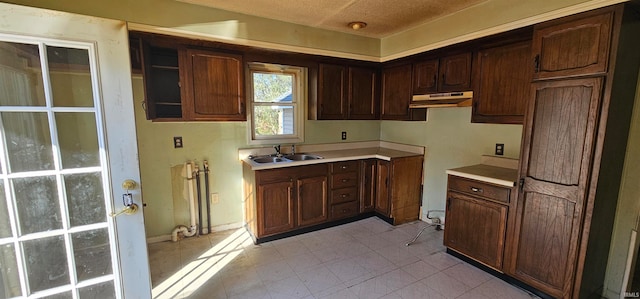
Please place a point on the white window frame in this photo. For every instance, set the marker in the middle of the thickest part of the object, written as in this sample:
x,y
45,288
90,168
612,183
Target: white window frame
x,y
299,98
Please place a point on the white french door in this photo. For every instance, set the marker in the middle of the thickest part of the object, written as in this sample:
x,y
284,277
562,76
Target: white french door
x,y
67,143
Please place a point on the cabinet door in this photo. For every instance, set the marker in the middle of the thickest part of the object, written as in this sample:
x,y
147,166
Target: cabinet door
x,y
425,77
363,103
332,101
556,161
383,200
215,89
502,83
396,92
367,185
476,228
312,200
405,188
275,208
572,46
455,73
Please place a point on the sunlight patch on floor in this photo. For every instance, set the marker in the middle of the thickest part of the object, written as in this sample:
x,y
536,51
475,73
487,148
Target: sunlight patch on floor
x,y
195,274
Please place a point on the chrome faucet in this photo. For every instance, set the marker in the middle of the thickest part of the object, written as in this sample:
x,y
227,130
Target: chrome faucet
x,y
277,148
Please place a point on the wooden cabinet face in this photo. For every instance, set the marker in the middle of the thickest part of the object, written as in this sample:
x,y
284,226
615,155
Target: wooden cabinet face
x,y
455,73
277,199
558,149
476,228
502,83
383,201
396,92
368,185
312,200
578,46
216,90
425,77
363,103
332,99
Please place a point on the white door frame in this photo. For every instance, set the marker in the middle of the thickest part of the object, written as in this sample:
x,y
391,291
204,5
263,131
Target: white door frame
x,y
110,38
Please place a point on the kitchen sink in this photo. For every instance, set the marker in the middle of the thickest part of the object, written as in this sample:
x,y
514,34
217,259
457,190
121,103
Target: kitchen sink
x,y
285,158
302,157
269,159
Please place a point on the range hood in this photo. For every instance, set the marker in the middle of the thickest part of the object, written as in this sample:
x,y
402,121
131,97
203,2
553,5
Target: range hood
x,y
447,99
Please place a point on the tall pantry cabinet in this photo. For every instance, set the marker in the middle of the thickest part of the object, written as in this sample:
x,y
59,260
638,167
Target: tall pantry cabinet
x,y
575,134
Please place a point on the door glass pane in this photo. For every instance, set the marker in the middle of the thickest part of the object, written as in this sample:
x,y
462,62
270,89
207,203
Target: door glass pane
x,y
9,280
70,77
103,290
65,295
21,75
5,227
78,139
86,198
46,262
37,204
28,141
92,254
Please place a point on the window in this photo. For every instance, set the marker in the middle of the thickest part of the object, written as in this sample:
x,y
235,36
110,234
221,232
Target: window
x,y
277,96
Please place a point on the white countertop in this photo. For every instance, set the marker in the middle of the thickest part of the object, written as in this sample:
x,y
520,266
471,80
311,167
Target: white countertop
x,y
342,152
495,170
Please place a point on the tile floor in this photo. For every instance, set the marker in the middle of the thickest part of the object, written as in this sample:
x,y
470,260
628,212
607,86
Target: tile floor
x,y
363,259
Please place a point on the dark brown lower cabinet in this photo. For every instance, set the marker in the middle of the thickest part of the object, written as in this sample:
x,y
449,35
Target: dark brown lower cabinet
x,y
277,198
476,226
312,200
399,188
282,200
368,192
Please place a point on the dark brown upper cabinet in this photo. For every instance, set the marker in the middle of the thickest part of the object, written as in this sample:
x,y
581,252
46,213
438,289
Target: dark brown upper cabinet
x,y
502,84
214,88
425,77
183,84
449,73
455,73
346,92
161,71
574,48
396,93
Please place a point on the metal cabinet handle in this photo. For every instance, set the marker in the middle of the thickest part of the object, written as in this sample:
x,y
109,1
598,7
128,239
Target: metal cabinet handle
x,y
345,180
344,195
474,189
344,166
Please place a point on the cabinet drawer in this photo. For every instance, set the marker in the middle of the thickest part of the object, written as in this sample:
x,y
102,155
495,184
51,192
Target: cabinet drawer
x,y
477,188
345,166
344,210
342,180
344,195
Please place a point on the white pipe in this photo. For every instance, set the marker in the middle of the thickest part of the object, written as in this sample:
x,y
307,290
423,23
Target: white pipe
x,y
192,200
184,230
192,230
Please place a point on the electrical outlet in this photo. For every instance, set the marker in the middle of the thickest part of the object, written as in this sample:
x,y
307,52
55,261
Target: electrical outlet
x,y
215,198
177,142
344,135
499,149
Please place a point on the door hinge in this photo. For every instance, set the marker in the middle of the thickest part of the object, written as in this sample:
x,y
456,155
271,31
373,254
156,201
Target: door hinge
x,y
536,63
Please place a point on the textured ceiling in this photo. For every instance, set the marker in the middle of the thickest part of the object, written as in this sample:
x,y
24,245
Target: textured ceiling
x,y
384,17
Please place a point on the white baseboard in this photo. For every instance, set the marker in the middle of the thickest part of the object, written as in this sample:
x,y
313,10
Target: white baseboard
x,y
217,228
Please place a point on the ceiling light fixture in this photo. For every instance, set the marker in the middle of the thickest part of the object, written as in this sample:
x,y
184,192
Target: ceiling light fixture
x,y
357,25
